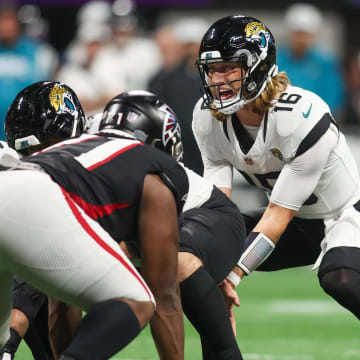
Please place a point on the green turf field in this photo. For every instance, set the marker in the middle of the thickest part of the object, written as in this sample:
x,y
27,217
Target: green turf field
x,y
283,316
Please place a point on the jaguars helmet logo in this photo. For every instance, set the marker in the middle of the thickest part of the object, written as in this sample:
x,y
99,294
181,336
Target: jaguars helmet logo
x,y
257,31
254,28
61,100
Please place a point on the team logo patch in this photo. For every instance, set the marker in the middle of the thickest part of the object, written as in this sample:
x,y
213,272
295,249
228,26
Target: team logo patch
x,y
277,153
254,28
257,30
61,100
171,127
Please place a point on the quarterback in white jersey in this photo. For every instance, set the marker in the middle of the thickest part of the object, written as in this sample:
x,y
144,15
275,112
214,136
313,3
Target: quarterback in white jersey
x,y
284,140
292,137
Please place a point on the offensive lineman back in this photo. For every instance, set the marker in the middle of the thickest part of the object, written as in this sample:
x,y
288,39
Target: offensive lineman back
x,y
284,140
212,230
131,190
40,115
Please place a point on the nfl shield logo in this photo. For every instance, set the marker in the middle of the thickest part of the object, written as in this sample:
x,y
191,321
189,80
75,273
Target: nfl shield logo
x,y
248,161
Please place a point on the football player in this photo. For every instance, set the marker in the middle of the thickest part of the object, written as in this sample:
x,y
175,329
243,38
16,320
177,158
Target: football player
x,y
58,210
212,230
284,140
32,123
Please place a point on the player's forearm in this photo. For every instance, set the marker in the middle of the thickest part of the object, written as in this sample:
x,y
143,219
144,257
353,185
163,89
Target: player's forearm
x,y
167,327
260,243
274,221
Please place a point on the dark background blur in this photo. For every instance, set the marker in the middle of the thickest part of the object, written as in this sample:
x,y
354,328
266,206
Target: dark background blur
x,y
338,34
61,14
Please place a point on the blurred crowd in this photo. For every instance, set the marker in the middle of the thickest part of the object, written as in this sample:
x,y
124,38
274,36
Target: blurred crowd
x,y
110,53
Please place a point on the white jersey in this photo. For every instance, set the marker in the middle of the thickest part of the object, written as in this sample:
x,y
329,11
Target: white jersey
x,y
199,190
298,157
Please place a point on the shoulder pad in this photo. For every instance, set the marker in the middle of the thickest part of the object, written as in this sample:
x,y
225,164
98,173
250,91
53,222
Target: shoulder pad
x,y
303,111
296,113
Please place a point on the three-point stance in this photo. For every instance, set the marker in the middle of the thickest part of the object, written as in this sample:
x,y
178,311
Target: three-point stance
x,y
212,230
59,219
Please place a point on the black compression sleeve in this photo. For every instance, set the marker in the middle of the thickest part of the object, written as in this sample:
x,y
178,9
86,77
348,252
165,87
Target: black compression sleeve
x,y
204,306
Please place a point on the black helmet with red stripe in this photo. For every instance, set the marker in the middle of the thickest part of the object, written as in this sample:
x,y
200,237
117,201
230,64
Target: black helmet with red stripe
x,y
147,118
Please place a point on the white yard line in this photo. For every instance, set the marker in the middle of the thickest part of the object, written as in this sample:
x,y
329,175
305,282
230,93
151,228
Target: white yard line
x,y
277,357
313,307
352,353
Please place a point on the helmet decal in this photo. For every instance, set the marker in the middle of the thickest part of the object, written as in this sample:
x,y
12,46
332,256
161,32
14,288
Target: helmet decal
x,y
171,127
257,30
254,28
61,99
132,116
41,112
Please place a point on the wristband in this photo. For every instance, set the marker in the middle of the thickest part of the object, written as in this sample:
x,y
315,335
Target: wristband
x,y
234,278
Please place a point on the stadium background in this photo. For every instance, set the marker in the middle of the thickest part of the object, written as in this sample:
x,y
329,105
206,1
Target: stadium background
x,y
284,315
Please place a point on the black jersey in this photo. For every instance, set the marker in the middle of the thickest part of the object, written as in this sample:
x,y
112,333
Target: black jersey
x,y
104,175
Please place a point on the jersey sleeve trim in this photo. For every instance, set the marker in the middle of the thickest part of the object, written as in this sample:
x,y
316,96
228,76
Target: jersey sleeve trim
x,y
314,135
265,125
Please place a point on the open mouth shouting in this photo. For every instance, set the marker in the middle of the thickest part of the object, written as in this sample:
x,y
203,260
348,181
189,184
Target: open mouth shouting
x,y
226,94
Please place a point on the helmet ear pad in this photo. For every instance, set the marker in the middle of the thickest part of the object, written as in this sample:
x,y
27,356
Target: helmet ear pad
x,y
43,110
239,39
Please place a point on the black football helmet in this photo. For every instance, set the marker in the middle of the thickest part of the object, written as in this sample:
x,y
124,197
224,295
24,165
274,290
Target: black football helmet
x,y
240,39
42,111
147,118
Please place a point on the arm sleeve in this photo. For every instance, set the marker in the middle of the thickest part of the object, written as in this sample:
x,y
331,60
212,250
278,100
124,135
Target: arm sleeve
x,y
299,178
